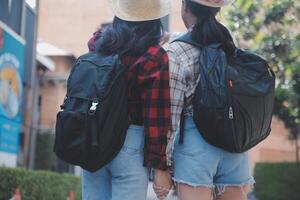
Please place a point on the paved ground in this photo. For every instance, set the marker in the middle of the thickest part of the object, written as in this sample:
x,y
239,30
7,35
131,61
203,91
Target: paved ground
x,y
152,196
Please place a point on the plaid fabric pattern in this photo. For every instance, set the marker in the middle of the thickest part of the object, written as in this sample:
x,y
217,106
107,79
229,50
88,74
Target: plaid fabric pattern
x,y
149,96
184,76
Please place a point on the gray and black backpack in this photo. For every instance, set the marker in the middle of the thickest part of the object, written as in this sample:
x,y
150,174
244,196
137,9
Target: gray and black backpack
x,y
233,102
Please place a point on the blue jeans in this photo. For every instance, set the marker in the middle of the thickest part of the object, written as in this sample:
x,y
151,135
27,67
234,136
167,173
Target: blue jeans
x,y
197,163
125,177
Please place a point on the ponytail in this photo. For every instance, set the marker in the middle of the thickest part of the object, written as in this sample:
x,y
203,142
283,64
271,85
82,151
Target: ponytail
x,y
208,29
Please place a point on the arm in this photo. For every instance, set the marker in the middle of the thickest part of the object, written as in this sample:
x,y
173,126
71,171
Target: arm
x,y
154,78
162,180
177,88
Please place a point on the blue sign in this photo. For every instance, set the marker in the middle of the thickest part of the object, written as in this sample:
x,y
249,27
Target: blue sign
x,y
11,88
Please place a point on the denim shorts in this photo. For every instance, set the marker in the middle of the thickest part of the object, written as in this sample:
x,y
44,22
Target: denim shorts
x,y
197,163
124,177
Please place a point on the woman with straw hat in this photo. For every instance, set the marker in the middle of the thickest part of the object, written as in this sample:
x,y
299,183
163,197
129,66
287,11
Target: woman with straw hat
x,y
135,35
201,170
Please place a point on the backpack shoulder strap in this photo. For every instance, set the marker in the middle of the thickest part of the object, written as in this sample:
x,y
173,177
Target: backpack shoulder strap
x,y
186,38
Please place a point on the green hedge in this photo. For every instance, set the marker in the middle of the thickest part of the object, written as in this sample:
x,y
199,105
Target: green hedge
x,y
38,185
277,181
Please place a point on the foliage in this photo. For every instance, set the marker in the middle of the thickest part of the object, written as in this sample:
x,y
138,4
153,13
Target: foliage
x,y
272,29
37,185
278,181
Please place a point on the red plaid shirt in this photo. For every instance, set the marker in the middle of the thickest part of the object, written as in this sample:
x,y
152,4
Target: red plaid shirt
x,y
149,94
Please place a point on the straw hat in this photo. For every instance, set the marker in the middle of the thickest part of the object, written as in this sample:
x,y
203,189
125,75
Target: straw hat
x,y
141,10
214,3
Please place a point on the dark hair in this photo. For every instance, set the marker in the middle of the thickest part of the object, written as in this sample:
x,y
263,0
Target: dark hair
x,y
208,30
126,36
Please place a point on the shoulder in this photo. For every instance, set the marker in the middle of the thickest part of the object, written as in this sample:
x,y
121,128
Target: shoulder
x,y
157,54
153,60
181,49
93,40
176,47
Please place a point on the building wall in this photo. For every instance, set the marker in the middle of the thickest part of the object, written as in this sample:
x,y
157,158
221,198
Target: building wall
x,y
276,148
53,91
176,24
70,25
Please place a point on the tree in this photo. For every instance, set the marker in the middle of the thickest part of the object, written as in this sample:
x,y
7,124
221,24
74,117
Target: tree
x,y
272,29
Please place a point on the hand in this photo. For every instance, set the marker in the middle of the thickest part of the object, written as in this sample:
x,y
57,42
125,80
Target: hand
x,y
162,183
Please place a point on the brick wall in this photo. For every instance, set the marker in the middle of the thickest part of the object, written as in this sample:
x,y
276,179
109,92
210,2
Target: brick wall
x,y
69,24
53,90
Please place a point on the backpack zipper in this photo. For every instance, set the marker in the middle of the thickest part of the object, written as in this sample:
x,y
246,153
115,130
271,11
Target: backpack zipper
x,y
230,112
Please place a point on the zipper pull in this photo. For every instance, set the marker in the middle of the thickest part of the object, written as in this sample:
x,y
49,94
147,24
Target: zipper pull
x,y
230,112
93,108
231,83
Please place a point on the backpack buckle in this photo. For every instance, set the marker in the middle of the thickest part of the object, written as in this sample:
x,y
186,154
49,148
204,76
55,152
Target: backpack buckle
x,y
93,108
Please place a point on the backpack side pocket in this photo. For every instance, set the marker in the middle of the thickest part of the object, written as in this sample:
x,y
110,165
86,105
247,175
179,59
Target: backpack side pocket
x,y
70,130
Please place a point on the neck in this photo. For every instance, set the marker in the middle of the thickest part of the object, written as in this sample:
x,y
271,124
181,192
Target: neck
x,y
190,22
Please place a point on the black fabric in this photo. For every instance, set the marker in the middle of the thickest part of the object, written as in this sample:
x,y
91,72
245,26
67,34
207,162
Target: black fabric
x,y
92,125
182,125
233,102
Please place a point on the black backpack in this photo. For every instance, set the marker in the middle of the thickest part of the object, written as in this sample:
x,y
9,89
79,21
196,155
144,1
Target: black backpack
x,y
91,128
233,102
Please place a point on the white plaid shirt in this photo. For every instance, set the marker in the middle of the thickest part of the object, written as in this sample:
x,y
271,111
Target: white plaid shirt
x,y
184,76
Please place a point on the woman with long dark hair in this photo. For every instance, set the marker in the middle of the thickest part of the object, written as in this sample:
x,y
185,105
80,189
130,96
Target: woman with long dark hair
x,y
201,170
135,35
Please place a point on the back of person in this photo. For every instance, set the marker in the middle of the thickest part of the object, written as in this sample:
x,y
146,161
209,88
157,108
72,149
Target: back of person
x,y
135,35
200,169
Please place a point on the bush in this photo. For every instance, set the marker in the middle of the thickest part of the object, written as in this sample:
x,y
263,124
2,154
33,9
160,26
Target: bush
x,y
38,185
277,181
